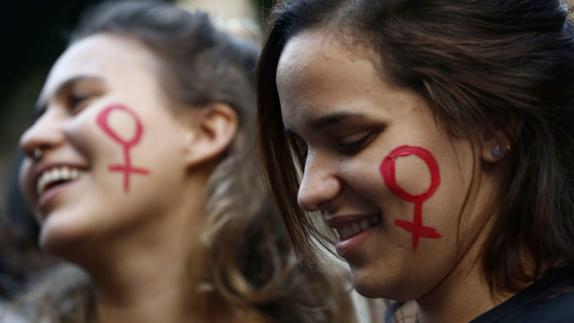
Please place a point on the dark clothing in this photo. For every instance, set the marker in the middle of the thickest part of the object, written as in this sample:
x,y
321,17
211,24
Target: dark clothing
x,y
548,300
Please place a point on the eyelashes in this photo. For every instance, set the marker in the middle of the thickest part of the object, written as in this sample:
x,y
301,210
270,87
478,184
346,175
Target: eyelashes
x,y
76,102
353,144
347,145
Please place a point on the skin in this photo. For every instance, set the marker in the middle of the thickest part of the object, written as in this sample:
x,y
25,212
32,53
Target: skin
x,y
336,103
126,239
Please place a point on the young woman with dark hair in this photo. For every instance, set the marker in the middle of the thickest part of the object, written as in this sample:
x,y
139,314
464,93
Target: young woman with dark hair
x,y
435,139
141,170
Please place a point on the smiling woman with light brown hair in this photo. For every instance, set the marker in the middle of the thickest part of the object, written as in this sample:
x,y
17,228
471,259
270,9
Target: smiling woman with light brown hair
x,y
140,168
434,139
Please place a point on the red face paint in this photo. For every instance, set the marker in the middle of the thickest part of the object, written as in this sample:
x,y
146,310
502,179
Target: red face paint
x,y
127,145
387,170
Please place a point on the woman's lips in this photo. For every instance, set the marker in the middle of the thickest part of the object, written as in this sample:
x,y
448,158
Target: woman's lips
x,y
352,230
50,180
48,200
56,176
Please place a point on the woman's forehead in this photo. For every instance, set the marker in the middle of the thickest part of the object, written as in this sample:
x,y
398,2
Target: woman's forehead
x,y
105,57
319,73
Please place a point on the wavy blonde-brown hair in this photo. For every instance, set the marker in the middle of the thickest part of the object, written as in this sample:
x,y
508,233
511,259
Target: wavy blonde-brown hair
x,y
249,264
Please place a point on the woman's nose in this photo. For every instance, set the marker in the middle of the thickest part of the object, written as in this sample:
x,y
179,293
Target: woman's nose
x,y
44,134
319,185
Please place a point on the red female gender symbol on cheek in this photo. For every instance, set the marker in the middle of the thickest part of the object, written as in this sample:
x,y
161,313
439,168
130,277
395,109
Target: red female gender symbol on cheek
x,y
387,170
127,145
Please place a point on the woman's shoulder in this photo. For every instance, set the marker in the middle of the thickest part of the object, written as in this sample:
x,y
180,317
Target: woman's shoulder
x,y
549,299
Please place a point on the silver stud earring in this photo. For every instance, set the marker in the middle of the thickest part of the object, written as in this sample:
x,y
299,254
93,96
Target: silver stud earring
x,y
496,151
37,154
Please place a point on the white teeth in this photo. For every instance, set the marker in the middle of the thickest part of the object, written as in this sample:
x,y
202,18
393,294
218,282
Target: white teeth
x,y
364,225
356,227
351,229
374,220
346,231
56,174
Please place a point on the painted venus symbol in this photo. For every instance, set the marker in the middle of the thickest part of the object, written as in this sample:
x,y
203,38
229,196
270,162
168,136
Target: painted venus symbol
x,y
388,171
127,144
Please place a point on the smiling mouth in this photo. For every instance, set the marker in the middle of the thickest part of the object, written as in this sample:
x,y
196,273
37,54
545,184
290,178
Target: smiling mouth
x,y
57,176
351,229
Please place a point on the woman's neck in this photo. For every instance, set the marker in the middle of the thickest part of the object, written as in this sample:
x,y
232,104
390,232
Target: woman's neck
x,y
460,299
464,294
155,272
151,302
161,281
164,300
147,271
150,282
152,273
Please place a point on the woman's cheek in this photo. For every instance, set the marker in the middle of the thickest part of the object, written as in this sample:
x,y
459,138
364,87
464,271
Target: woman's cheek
x,y
123,126
411,187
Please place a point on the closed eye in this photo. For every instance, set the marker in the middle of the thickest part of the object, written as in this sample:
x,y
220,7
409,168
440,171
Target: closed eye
x,y
76,93
76,101
352,144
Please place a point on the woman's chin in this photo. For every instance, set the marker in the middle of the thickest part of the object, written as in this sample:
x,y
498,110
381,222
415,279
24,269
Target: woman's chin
x,y
372,286
367,291
61,238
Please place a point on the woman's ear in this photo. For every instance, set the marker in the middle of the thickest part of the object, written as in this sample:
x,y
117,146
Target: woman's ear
x,y
210,133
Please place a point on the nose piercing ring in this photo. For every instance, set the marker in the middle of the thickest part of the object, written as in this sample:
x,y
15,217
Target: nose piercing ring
x,y
37,154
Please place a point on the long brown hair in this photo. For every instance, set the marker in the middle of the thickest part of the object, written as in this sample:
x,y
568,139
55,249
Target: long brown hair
x,y
482,66
250,263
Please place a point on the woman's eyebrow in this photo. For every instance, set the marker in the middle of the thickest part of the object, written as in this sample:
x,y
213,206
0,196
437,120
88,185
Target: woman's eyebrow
x,y
331,120
66,85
